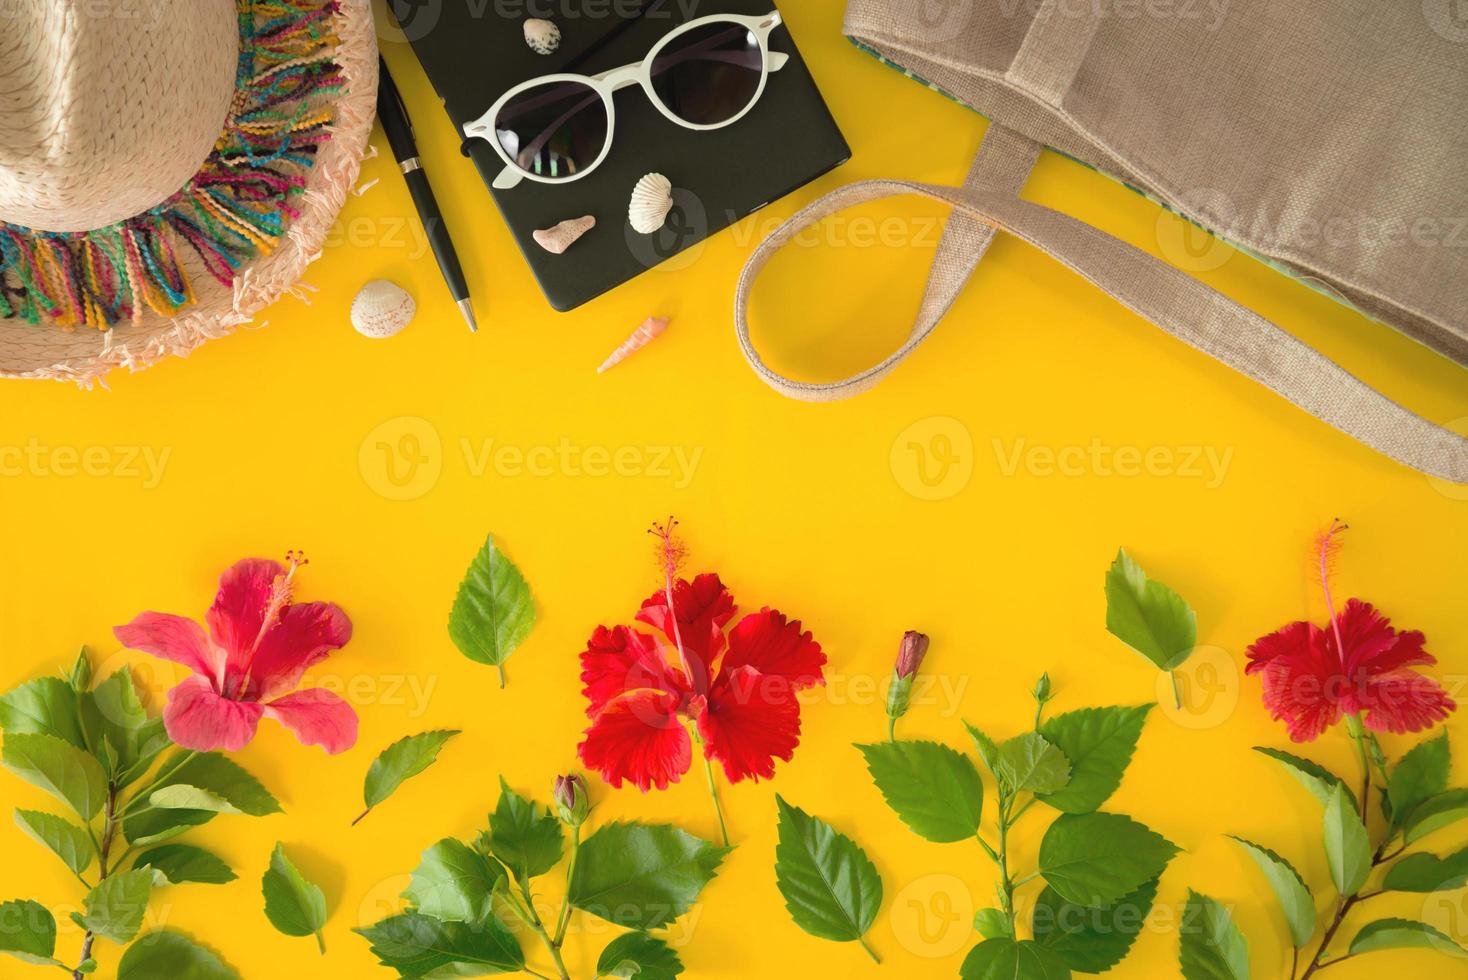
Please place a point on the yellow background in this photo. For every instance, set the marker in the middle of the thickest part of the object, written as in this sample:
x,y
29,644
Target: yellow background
x,y
273,441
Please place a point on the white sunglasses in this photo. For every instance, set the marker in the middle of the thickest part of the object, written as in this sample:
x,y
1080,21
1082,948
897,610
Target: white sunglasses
x,y
706,74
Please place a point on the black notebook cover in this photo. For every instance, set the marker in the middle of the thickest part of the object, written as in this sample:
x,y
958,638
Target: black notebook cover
x,y
474,51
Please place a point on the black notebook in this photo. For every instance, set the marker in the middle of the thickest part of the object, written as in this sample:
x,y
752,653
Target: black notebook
x,y
475,50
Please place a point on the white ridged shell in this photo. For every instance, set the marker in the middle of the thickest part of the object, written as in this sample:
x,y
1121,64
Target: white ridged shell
x,y
542,36
652,199
382,309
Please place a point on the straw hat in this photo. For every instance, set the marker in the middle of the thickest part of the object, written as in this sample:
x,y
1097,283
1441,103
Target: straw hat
x,y
168,168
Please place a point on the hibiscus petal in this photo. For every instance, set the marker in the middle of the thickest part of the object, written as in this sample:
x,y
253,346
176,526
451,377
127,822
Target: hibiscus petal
x,y
1365,632
638,738
1300,699
198,718
776,647
304,635
317,717
239,605
703,606
1404,702
617,661
1290,642
173,638
751,720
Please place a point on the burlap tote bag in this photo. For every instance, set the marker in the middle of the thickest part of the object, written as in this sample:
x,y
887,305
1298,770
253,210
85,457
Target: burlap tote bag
x,y
1331,139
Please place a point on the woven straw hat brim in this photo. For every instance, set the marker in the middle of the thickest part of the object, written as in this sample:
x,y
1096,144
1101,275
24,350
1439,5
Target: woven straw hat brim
x,y
83,355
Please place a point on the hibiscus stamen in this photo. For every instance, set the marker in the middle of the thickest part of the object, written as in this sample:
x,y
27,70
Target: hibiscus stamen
x,y
1327,548
671,554
282,587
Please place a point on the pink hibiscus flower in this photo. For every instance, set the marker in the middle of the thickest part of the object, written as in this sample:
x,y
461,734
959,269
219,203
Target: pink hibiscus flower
x,y
249,662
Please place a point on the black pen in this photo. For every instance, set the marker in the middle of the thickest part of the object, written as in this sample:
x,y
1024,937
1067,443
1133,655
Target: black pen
x,y
399,129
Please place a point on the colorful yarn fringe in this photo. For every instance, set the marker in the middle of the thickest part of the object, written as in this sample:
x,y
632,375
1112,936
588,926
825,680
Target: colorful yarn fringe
x,y
236,208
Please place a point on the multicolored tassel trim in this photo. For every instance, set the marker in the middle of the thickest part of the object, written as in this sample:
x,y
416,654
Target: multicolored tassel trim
x,y
235,209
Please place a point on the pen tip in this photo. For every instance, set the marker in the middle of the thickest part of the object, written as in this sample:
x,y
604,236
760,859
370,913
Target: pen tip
x,y
467,308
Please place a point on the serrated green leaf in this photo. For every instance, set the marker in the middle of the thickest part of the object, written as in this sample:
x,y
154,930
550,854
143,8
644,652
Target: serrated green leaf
x,y
1403,934
1029,762
65,839
642,876
526,839
933,789
151,826
115,908
1098,743
28,932
988,749
1420,775
493,611
1211,947
114,721
1096,859
831,888
171,954
181,797
59,768
180,863
45,706
295,906
1295,900
1005,959
1433,815
400,761
454,882
419,946
1092,940
636,954
1428,873
1319,781
1148,616
1347,845
992,924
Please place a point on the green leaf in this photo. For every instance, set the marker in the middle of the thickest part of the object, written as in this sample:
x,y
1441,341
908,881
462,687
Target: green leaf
x,y
636,954
1095,859
28,932
59,768
1347,846
1420,775
831,887
209,773
1432,815
173,955
527,839
1092,940
642,876
180,797
155,826
1148,616
45,706
181,863
1030,762
1403,934
1428,873
65,839
113,716
1005,959
1295,900
80,674
454,882
293,905
1319,781
1098,742
493,611
988,749
934,789
419,946
115,908
992,924
400,761
1211,945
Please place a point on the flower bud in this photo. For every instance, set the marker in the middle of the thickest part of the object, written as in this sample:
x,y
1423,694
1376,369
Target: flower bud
x,y
572,801
1042,688
910,655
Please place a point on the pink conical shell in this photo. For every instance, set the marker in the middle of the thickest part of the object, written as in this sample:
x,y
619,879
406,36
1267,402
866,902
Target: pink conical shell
x,y
561,237
651,329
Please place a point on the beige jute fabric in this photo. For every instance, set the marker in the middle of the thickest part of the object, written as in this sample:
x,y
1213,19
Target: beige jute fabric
x,y
109,145
1328,139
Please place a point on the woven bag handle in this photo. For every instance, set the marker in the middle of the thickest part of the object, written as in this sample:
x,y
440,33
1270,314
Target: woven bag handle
x,y
1168,297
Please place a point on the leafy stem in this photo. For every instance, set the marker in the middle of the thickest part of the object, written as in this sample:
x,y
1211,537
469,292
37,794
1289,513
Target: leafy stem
x,y
109,830
524,907
565,918
708,771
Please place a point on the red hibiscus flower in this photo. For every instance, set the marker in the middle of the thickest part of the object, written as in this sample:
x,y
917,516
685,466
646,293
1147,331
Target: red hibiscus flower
x,y
1356,667
249,662
737,689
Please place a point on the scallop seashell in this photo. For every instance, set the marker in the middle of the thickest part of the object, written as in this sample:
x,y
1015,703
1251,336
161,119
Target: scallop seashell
x,y
652,199
557,239
542,36
382,309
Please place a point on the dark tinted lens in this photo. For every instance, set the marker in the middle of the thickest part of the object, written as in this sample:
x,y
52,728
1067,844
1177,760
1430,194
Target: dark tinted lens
x,y
709,75
555,130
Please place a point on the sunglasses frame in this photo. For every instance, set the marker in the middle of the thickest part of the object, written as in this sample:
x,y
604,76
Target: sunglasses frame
x,y
608,83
